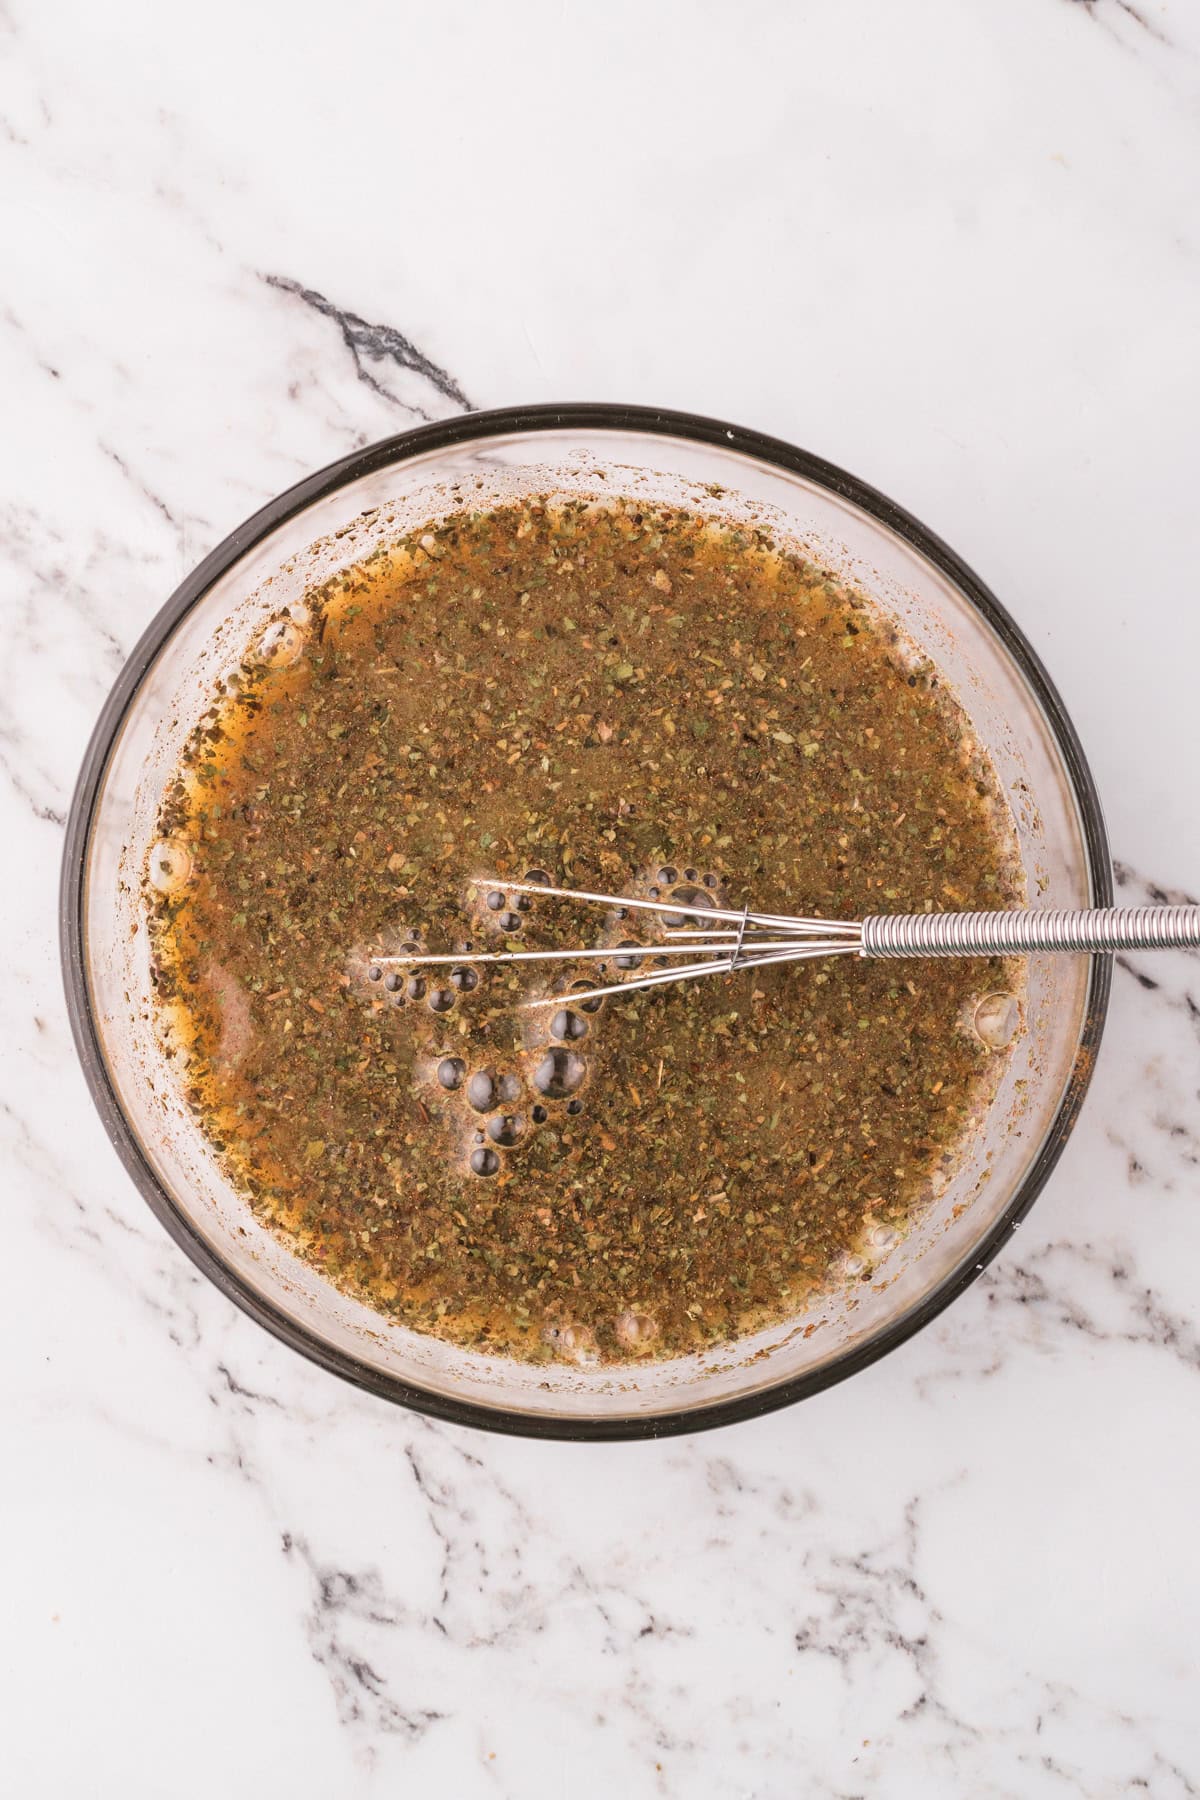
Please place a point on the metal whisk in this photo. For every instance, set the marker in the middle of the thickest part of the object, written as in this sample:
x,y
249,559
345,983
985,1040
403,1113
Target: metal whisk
x,y
730,940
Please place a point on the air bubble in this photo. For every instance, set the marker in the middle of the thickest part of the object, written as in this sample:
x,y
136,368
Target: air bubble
x,y
691,875
508,1089
505,1129
588,1006
523,903
391,982
635,1329
997,1020
687,896
279,645
711,881
495,901
628,962
481,1090
854,1265
539,1115
568,1027
170,865
374,974
464,980
573,1341
559,1073
416,989
450,1072
883,1237
440,999
484,1162
574,1107
510,921
540,876
669,876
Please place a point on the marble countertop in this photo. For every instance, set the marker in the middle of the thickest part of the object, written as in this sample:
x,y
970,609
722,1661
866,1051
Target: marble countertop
x,y
950,246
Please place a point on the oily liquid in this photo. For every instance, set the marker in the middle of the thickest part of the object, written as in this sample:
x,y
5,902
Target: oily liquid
x,y
616,697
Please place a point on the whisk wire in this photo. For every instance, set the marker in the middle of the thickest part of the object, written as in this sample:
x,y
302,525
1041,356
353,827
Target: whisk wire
x,y
776,921
693,971
446,959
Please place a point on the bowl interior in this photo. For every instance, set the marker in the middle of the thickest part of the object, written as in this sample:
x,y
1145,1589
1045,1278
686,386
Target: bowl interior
x,y
201,637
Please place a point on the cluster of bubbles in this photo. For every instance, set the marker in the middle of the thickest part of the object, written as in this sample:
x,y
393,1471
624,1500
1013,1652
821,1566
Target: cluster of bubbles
x,y
439,996
503,1107
562,1068
497,1096
635,1332
507,1104
486,1092
508,914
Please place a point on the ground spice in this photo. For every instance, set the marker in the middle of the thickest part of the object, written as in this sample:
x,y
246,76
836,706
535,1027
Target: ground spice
x,y
627,698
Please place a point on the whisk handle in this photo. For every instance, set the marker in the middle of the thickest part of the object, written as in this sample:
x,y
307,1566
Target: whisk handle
x,y
1025,933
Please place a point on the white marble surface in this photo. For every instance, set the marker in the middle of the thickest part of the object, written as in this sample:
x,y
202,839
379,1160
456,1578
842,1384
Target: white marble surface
x,y
951,244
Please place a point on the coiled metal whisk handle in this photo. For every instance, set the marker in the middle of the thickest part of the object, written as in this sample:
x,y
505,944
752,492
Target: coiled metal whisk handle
x,y
1026,933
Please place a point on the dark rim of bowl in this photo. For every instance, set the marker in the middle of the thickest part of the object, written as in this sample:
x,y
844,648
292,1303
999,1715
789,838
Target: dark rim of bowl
x,y
405,445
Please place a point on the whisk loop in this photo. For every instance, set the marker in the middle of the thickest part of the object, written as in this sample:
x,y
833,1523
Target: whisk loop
x,y
731,941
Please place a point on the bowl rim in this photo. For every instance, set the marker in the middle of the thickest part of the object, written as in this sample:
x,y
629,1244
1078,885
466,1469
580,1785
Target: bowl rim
x,y
401,447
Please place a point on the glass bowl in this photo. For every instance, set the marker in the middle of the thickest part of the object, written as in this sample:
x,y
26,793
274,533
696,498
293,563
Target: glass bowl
x,y
331,520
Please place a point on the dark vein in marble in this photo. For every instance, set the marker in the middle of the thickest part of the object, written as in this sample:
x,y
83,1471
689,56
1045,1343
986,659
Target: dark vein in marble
x,y
1183,1003
1148,1319
369,343
1149,26
724,1478
1125,875
359,1691
29,1149
1133,885
1139,18
1071,1707
1145,981
452,1522
46,564
1160,1765
241,1392
875,1601
135,481
123,1224
433,1505
8,315
176,1311
10,768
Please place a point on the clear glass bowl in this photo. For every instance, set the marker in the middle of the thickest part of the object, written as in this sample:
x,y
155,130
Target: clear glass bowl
x,y
330,521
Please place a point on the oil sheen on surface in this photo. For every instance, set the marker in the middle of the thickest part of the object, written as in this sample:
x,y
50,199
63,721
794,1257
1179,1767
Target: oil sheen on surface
x,y
629,699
